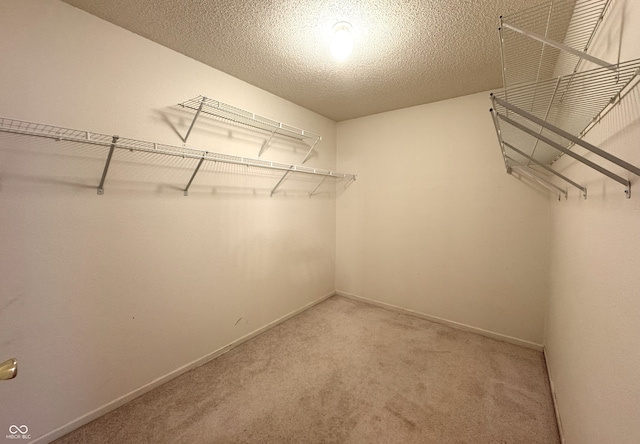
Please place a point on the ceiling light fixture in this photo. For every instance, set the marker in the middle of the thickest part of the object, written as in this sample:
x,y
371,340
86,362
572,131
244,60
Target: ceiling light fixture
x,y
341,41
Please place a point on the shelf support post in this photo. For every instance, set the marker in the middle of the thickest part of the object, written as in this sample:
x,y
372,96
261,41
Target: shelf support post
x,y
317,186
279,182
194,119
186,190
310,149
266,143
106,165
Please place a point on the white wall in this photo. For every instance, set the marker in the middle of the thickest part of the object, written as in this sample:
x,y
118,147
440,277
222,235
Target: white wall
x,y
592,335
101,295
436,226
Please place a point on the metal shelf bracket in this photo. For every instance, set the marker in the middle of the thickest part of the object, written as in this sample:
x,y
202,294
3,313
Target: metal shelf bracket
x,y
317,186
186,190
279,182
193,122
106,165
266,143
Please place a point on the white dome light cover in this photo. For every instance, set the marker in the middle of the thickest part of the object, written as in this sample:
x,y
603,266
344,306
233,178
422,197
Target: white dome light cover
x,y
341,41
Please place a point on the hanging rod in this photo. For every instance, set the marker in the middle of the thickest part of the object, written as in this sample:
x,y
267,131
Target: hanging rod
x,y
546,168
570,153
543,166
510,163
215,109
564,134
14,126
528,172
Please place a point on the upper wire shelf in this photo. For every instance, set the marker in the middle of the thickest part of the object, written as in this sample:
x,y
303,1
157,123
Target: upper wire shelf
x,y
215,109
115,142
549,40
571,102
554,90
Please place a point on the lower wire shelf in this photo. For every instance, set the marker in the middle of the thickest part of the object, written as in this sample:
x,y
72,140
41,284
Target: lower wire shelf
x,y
14,126
537,123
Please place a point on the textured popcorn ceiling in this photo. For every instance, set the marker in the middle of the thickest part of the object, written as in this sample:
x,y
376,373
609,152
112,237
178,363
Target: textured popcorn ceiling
x,y
405,52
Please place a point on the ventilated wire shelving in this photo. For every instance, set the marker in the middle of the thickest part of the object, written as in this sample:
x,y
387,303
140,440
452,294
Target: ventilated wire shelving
x,y
204,106
8,125
554,90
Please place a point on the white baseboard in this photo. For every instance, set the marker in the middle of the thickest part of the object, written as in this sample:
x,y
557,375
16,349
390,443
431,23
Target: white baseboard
x,y
458,325
110,406
553,398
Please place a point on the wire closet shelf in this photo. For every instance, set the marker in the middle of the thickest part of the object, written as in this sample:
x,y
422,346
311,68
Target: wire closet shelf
x,y
204,106
555,91
57,133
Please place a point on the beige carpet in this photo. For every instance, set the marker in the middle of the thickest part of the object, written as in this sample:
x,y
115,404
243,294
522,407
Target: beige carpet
x,y
346,372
